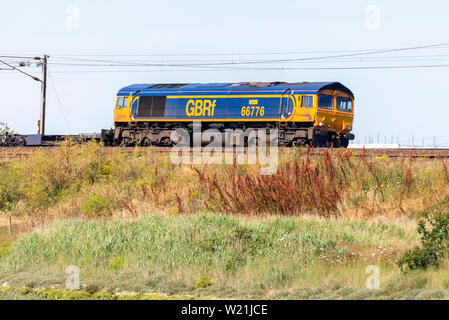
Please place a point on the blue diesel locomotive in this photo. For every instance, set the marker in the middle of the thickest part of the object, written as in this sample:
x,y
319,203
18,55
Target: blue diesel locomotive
x,y
307,113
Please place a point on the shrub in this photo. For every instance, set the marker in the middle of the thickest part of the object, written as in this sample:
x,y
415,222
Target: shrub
x,y
418,258
296,187
434,243
5,249
97,206
5,129
92,288
44,179
203,281
116,263
9,185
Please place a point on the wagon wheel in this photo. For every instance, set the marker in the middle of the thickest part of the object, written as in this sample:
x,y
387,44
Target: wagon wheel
x,y
145,142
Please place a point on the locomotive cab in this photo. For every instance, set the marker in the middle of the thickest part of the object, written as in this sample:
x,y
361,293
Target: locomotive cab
x,y
334,111
122,110
329,112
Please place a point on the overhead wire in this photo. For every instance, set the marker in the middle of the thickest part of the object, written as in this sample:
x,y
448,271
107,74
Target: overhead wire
x,y
62,61
27,74
256,69
18,57
59,102
362,60
270,60
349,56
438,46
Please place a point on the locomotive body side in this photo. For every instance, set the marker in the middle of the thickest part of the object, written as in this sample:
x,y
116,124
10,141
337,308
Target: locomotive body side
x,y
305,113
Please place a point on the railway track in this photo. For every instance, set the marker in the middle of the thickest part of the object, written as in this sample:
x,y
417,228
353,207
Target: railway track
x,y
9,153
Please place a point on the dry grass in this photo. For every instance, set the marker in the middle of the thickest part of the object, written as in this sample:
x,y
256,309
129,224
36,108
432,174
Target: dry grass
x,y
296,187
71,180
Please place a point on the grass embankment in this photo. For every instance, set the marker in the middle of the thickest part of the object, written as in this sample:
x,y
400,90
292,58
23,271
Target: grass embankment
x,y
139,223
221,256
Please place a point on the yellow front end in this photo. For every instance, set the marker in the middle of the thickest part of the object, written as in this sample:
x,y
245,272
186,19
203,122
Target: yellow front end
x,y
335,111
122,111
330,110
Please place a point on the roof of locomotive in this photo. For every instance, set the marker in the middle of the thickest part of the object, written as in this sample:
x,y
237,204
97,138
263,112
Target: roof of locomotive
x,y
260,87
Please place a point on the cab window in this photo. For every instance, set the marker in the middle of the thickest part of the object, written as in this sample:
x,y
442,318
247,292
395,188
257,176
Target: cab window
x,y
287,104
344,104
122,102
119,102
325,101
307,102
290,106
125,102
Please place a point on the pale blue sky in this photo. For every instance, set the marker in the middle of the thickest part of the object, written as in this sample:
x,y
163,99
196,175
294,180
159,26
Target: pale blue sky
x,y
391,102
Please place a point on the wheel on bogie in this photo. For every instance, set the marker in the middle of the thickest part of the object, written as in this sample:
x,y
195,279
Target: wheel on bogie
x,y
344,142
